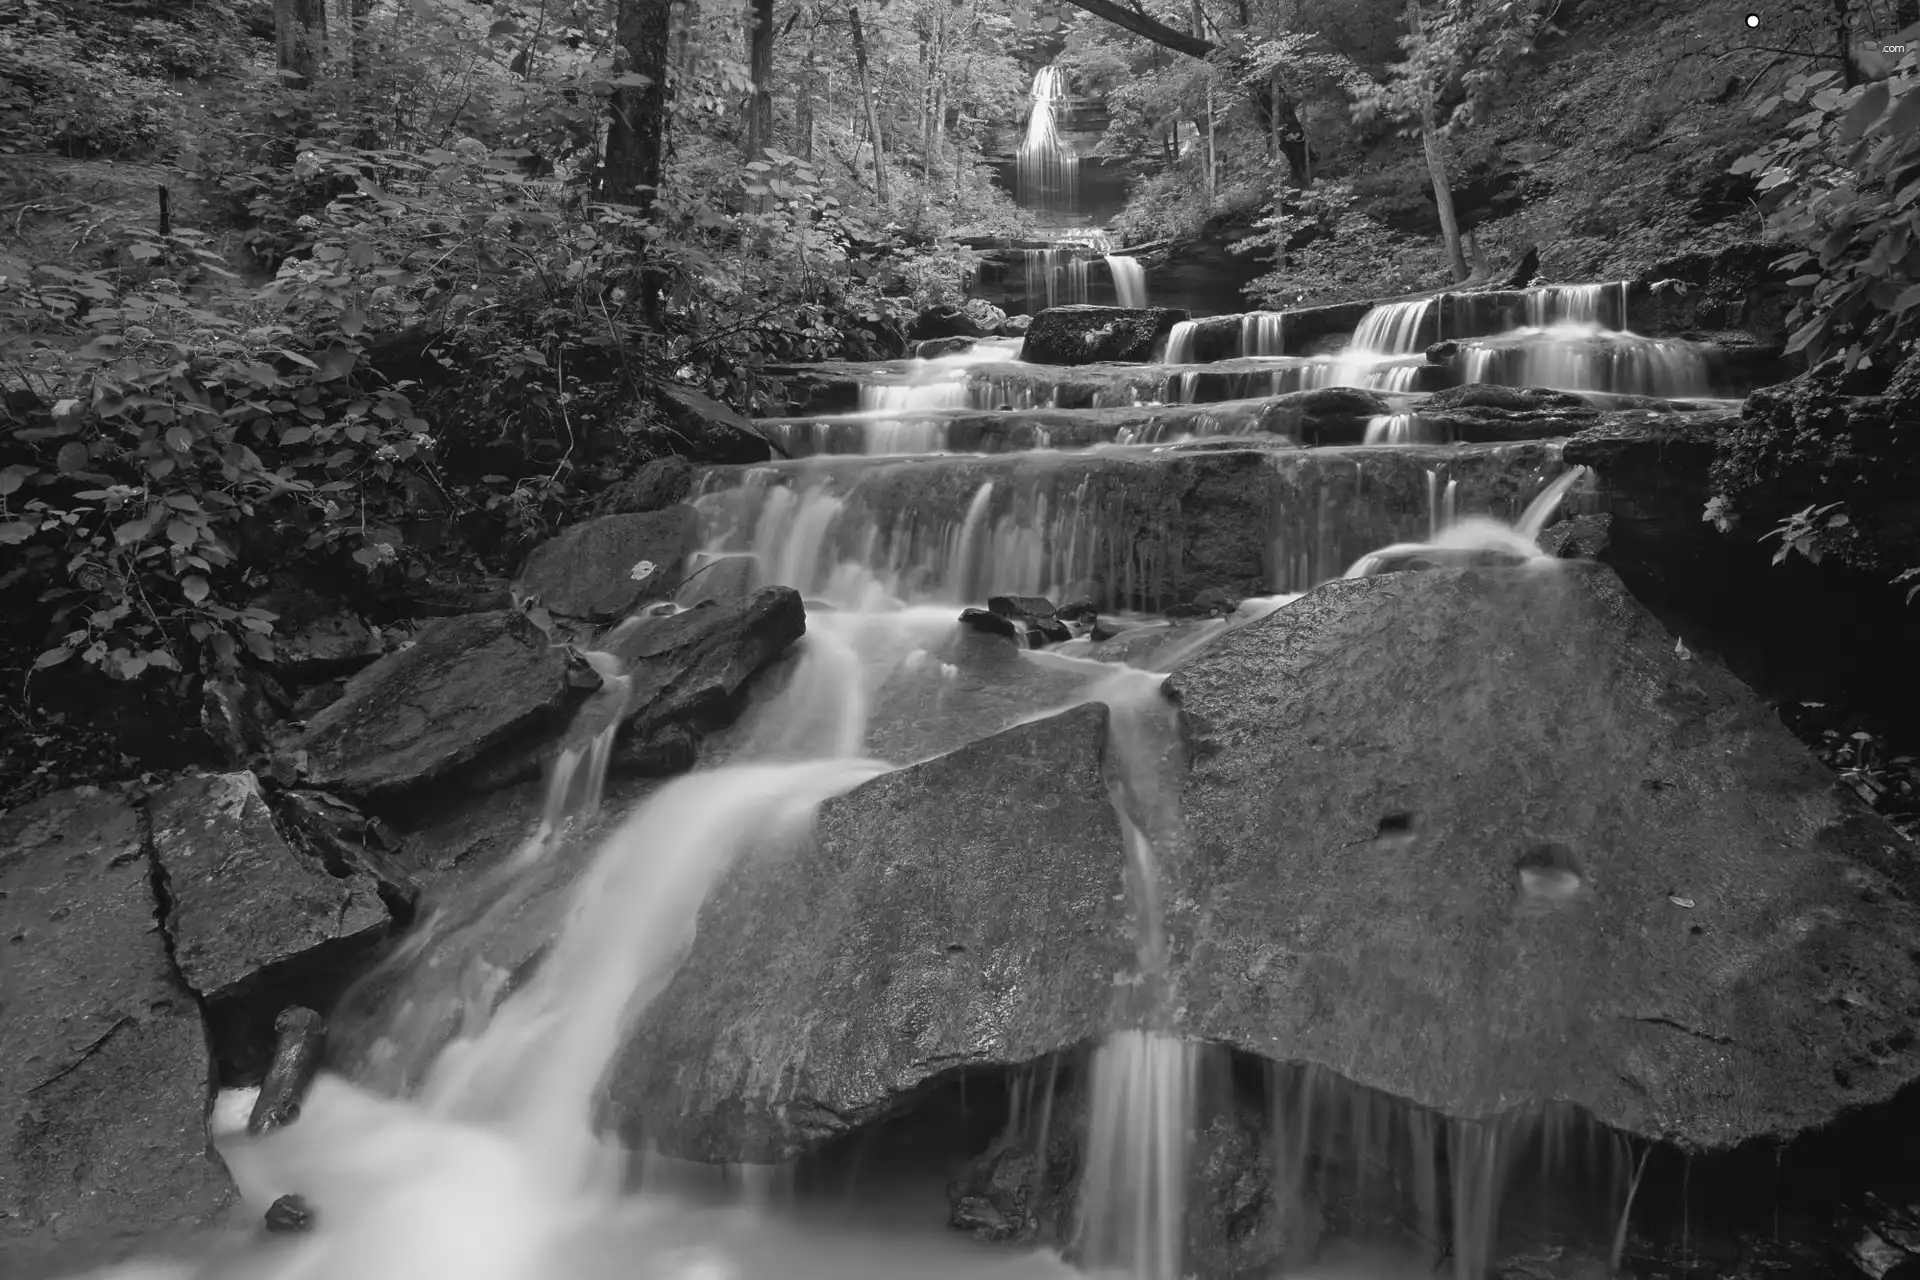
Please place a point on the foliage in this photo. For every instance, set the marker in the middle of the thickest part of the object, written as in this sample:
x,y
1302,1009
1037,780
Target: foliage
x,y
61,91
1843,179
1467,56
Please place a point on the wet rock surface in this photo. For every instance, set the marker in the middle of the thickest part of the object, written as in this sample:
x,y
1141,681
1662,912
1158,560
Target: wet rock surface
x,y
691,669
825,986
466,685
707,431
1092,335
1486,906
1323,415
601,569
105,1075
250,915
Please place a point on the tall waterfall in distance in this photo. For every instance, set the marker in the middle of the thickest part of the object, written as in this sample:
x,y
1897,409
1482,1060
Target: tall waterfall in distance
x,y
1048,171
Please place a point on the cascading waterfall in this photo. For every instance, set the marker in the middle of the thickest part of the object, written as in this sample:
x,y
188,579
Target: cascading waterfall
x,y
1465,538
1180,342
1263,333
1129,280
1047,170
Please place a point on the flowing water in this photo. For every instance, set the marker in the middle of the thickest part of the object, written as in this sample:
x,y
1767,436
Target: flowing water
x,y
459,1137
1047,169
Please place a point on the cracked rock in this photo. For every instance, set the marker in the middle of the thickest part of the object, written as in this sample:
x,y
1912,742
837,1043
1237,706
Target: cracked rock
x,y
251,915
104,1072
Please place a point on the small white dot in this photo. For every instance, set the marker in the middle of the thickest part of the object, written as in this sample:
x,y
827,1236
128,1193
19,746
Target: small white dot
x,y
1753,19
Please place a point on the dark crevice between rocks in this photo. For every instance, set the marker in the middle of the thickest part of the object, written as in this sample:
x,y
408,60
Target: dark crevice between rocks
x,y
162,911
966,1147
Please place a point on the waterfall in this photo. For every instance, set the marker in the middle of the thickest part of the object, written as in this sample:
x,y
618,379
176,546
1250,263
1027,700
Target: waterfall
x,y
1047,170
1129,280
1263,333
1180,342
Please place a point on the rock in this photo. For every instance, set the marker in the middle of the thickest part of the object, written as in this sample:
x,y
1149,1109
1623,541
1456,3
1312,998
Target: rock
x,y
692,669
1487,395
1443,352
708,431
1008,1192
466,685
1577,537
1533,854
1323,415
721,579
969,910
333,644
1740,288
300,1036
1423,558
945,321
105,1077
348,842
1021,606
600,569
1016,326
1523,270
237,711
1235,1223
658,484
993,624
1091,335
934,348
247,912
289,1216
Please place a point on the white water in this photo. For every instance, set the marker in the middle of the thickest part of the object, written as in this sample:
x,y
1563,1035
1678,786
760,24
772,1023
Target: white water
x,y
1462,537
1129,280
1047,171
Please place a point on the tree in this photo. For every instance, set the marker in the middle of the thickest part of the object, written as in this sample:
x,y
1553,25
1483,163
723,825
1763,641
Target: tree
x,y
760,66
1271,106
1434,147
873,110
636,134
300,38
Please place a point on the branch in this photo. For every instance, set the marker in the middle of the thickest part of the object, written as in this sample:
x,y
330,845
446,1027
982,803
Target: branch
x,y
1141,25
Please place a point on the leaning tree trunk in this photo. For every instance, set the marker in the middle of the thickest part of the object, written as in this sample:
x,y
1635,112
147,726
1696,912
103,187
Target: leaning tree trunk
x,y
636,134
873,110
803,108
1435,148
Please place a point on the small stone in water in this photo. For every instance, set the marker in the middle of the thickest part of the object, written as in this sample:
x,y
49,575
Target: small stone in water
x,y
290,1215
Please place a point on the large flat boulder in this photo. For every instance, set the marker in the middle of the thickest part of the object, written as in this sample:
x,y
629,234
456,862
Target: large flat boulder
x,y
1485,839
246,910
1094,335
600,569
707,431
970,910
467,684
105,1076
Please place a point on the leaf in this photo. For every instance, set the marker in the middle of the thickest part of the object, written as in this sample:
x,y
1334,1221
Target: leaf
x,y
132,531
1808,334
52,657
71,458
133,666
179,439
1864,112
1907,301
11,478
504,27
181,534
141,252
634,80
194,588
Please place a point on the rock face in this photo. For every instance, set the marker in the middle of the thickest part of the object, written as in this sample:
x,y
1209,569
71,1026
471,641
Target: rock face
x,y
966,910
467,684
945,321
105,1078
1483,839
600,569
246,910
1090,335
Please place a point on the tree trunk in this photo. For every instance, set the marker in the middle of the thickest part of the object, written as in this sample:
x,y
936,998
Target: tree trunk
x,y
300,38
636,135
760,68
873,110
1435,148
803,108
